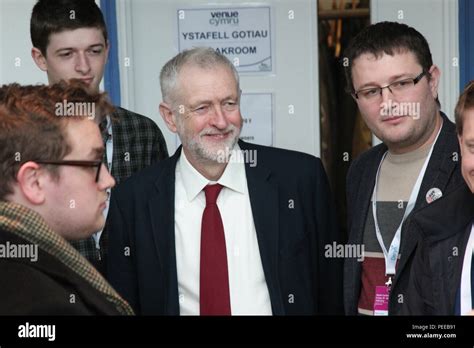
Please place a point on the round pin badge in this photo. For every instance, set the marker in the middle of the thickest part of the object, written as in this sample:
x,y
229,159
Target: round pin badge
x,y
433,194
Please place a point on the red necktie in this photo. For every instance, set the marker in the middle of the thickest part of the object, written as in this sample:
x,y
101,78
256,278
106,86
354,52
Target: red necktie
x,y
214,294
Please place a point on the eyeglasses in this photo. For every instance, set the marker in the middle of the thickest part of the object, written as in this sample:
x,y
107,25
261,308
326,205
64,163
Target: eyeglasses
x,y
96,164
397,88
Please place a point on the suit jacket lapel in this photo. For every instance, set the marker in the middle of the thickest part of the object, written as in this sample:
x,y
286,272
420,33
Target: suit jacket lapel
x,y
264,202
161,210
441,163
437,175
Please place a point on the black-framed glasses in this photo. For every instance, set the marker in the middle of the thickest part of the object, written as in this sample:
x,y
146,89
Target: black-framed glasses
x,y
396,88
92,164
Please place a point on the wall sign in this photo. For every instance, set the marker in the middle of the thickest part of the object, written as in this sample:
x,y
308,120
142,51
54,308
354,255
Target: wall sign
x,y
242,34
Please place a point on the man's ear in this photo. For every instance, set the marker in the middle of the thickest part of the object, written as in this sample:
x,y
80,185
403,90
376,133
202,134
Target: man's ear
x,y
39,59
168,116
30,180
435,74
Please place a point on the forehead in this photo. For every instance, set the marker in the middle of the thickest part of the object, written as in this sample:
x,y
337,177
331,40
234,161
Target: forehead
x,y
368,66
77,38
197,83
468,123
83,135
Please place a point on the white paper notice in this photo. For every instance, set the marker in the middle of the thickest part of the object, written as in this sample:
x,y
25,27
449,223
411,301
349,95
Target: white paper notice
x,y
257,111
242,34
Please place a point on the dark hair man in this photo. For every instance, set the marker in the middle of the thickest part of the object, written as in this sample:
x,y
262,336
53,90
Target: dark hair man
x,y
392,78
70,41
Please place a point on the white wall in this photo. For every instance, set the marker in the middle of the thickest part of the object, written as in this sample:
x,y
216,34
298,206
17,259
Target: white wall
x,y
16,64
149,40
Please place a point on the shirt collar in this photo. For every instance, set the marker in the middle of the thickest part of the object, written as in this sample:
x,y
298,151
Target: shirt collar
x,y
233,177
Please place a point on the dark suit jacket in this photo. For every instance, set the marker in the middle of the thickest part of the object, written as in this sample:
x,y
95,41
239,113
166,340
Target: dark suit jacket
x,y
44,287
291,240
444,228
442,172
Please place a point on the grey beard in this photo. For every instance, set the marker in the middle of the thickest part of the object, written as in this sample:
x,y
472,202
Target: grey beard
x,y
201,153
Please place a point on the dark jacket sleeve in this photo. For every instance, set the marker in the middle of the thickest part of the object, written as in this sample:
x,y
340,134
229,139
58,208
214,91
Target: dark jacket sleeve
x,y
121,270
329,284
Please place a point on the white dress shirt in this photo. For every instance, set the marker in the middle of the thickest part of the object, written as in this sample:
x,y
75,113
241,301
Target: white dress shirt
x,y
248,289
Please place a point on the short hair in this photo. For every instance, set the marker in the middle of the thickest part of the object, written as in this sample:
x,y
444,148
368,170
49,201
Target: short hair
x,y
388,38
31,129
54,16
465,102
202,57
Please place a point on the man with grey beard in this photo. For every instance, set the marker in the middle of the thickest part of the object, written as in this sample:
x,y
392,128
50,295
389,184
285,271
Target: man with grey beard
x,y
205,232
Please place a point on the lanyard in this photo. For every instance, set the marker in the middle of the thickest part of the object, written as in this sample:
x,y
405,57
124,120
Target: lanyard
x,y
392,254
466,299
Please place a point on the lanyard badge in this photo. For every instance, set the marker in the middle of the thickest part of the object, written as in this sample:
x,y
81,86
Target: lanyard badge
x,y
391,255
